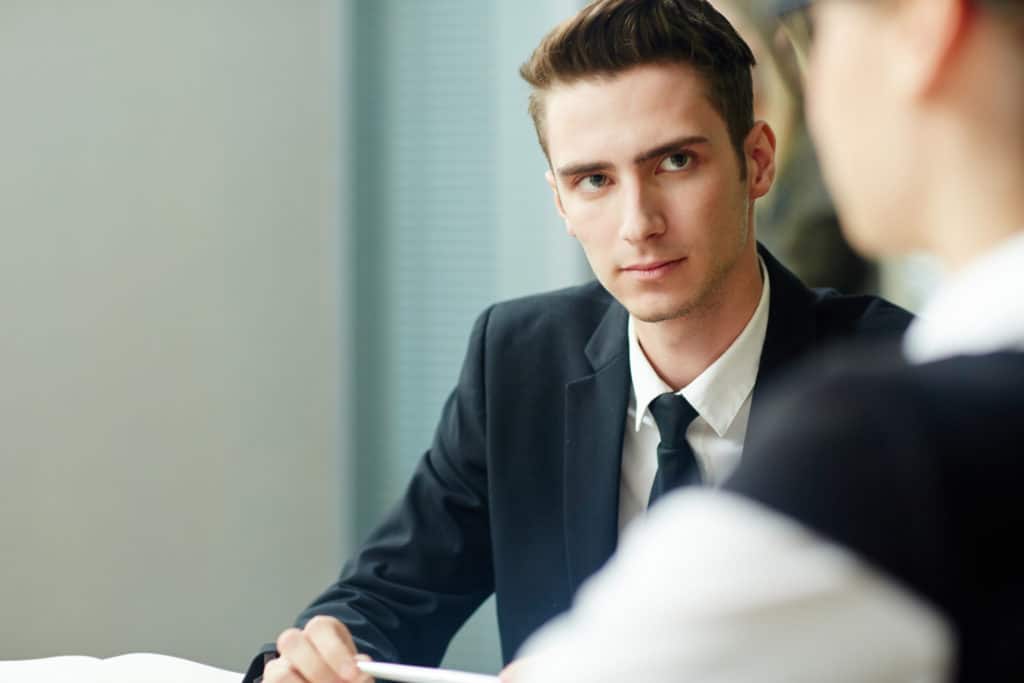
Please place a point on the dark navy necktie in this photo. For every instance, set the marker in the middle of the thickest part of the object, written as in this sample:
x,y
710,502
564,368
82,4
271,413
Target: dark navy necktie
x,y
677,465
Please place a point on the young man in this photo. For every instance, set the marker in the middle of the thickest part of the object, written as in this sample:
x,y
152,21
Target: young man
x,y
874,534
548,446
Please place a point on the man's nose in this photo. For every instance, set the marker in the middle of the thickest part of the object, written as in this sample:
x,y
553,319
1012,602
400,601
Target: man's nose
x,y
642,216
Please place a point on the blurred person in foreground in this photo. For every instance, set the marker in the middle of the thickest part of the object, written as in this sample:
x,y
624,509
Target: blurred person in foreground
x,y
575,410
870,533
796,220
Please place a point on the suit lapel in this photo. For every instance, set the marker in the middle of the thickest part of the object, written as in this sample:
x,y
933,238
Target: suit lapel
x,y
791,327
595,409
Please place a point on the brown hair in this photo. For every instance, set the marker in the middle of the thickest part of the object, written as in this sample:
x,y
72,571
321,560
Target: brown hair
x,y
608,37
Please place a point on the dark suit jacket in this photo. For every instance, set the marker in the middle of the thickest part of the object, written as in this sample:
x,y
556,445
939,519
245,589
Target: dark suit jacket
x,y
518,494
918,470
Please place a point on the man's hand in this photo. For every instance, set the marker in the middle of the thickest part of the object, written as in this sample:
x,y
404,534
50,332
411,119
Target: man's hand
x,y
513,671
322,652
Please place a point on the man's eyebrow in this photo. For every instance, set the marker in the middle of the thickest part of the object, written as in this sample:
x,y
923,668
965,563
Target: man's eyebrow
x,y
589,167
671,146
585,168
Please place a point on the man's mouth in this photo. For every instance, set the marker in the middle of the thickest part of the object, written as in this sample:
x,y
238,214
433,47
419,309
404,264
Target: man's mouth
x,y
652,270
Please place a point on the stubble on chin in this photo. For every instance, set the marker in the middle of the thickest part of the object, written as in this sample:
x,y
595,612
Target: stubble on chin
x,y
659,316
701,304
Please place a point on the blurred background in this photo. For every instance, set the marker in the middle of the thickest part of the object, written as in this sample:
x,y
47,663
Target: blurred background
x,y
242,243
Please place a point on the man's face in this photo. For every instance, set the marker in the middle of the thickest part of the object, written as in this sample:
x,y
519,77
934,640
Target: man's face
x,y
647,180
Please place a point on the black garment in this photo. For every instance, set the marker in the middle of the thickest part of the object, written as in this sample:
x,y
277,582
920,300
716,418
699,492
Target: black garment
x,y
519,493
677,464
917,469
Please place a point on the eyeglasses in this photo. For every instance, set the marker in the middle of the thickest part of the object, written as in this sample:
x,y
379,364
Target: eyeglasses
x,y
787,29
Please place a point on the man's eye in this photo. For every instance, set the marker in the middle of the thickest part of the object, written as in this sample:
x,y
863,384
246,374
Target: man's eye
x,y
676,162
593,183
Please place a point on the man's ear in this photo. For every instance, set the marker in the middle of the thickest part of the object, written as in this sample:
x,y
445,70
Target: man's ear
x,y
550,177
760,156
929,34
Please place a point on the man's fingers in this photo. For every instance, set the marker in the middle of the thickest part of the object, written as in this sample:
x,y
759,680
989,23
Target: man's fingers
x,y
334,643
321,621
512,671
280,671
304,658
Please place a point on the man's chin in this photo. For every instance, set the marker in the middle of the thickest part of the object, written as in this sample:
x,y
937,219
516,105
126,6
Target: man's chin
x,y
662,313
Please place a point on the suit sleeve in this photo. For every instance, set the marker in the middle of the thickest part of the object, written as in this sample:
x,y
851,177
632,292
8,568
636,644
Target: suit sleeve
x,y
424,570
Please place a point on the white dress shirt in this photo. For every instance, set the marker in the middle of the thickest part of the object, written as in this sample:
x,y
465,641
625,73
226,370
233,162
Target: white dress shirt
x,y
712,587
979,310
721,397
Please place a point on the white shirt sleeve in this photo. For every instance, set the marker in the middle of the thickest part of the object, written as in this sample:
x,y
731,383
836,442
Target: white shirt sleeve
x,y
714,588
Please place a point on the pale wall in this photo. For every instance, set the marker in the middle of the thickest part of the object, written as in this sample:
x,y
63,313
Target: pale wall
x,y
170,323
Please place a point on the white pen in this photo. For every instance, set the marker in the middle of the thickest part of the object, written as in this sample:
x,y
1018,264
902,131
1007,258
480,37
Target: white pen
x,y
420,674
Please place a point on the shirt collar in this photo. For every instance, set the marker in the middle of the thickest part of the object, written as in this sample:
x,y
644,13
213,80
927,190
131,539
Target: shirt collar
x,y
718,393
979,310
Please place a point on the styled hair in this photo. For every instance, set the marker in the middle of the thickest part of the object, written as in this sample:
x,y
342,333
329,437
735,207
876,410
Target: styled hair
x,y
608,37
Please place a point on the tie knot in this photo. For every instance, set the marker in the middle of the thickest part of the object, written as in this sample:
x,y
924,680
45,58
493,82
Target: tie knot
x,y
673,414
